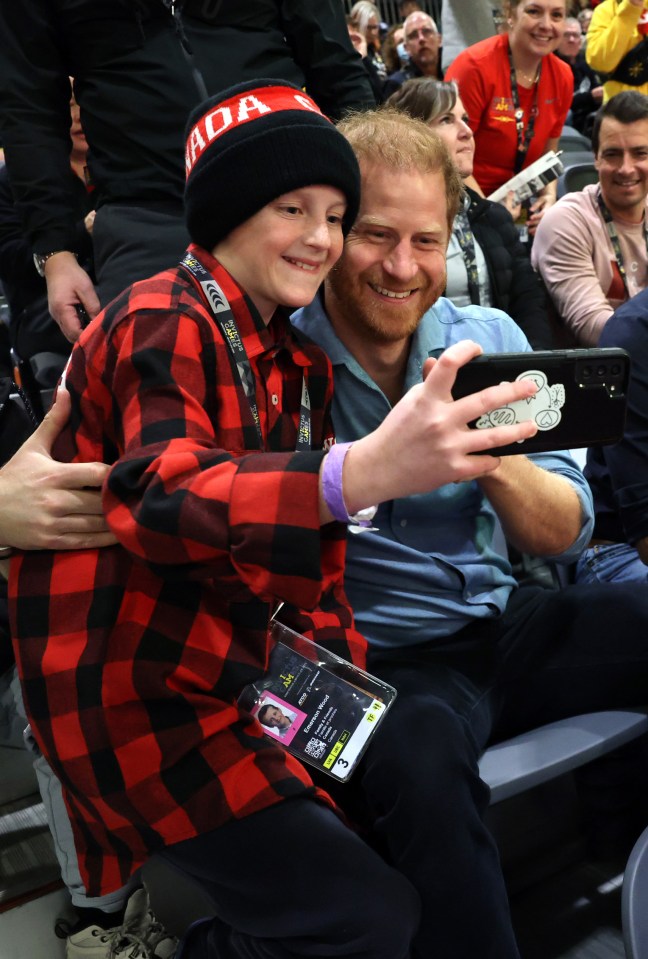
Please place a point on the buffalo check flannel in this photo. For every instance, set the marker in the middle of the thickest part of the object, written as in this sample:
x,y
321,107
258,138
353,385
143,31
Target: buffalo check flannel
x,y
132,656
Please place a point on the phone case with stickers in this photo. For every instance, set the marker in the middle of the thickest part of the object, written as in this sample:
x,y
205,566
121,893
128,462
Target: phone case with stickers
x,y
581,397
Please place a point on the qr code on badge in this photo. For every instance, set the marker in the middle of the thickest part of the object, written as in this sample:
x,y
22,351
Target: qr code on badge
x,y
315,748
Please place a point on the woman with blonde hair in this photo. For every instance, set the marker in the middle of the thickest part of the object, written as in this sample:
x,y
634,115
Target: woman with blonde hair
x,y
366,17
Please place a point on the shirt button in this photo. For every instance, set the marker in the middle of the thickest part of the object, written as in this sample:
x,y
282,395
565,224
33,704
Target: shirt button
x,y
403,522
275,399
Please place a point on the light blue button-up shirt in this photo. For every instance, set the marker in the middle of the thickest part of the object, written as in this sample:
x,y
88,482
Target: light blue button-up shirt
x,y
438,561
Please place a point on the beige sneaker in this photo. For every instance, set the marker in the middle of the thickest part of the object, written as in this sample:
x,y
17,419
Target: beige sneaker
x,y
140,936
141,923
92,943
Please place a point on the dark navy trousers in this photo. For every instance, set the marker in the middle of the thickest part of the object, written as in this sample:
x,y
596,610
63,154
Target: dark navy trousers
x,y
132,243
552,655
293,881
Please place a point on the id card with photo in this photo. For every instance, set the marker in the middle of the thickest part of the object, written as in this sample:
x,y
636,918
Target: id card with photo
x,y
321,708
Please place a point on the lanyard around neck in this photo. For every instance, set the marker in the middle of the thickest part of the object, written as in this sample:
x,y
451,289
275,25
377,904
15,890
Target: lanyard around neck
x,y
614,237
523,136
220,309
466,241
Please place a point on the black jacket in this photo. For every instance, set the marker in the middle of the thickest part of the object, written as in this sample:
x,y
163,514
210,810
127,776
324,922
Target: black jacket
x,y
32,328
583,103
136,85
515,286
21,283
618,474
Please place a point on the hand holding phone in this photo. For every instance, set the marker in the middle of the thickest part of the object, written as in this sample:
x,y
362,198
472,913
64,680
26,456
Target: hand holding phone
x,y
580,400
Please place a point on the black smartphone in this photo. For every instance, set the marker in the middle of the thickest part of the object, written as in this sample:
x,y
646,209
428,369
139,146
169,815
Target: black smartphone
x,y
581,397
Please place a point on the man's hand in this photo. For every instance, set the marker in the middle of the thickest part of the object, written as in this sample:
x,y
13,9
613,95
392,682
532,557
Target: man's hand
x,y
512,204
539,208
68,285
425,441
358,41
49,505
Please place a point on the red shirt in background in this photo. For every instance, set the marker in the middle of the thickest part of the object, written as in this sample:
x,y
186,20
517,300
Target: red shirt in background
x,y
483,75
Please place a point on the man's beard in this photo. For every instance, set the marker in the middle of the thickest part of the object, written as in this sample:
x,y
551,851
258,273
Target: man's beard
x,y
382,323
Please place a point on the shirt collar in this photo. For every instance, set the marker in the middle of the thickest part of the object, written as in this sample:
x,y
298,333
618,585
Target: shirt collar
x,y
427,340
257,337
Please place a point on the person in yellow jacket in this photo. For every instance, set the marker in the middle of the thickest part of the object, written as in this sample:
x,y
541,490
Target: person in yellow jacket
x,y
617,44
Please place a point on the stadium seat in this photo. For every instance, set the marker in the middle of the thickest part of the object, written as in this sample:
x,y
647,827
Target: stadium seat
x,y
571,140
576,176
634,901
534,757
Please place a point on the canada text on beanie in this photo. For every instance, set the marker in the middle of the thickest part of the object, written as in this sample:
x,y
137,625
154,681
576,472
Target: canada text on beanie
x,y
252,143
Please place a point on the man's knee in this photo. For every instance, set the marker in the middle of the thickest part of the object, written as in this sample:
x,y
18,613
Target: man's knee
x,y
590,612
385,917
423,745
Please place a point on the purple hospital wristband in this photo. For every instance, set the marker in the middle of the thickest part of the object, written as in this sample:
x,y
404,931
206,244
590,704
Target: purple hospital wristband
x,y
332,490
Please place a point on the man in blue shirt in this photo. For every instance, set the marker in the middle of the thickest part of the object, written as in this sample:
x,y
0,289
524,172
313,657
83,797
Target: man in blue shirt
x,y
474,657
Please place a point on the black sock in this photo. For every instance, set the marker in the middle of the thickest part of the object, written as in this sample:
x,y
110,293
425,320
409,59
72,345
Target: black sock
x,y
90,916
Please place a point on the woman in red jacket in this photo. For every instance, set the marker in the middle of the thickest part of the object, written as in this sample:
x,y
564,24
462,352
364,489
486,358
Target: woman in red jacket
x,y
517,94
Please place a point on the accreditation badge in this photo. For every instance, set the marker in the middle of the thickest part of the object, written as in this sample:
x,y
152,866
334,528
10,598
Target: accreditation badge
x,y
321,708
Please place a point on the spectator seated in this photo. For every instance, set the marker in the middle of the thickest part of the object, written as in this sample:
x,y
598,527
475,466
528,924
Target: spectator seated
x,y
422,44
590,248
588,89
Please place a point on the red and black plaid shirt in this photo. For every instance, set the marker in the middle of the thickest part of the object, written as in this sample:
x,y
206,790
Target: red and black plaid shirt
x,y
132,657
